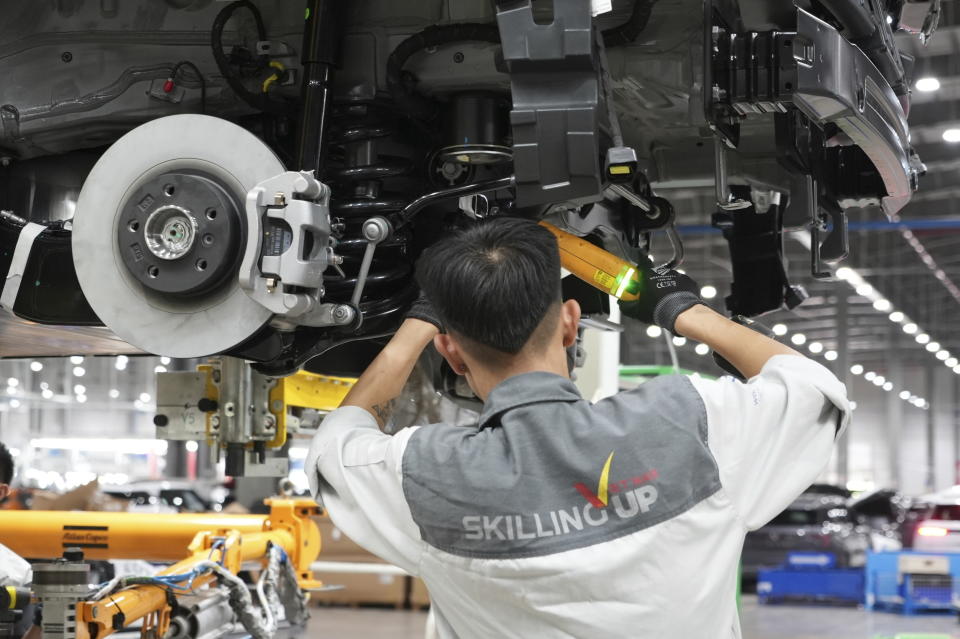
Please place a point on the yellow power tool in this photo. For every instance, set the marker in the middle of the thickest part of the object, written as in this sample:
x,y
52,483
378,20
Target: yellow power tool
x,y
596,266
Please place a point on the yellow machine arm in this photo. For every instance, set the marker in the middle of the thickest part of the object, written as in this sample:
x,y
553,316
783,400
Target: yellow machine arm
x,y
240,412
218,546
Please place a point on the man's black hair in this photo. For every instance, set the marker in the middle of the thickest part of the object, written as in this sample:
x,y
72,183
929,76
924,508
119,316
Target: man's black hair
x,y
493,283
6,465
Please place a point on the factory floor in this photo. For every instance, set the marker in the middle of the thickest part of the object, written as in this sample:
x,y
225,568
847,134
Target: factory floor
x,y
759,622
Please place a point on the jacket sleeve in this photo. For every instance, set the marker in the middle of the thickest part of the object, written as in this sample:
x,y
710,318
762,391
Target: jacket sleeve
x,y
773,435
14,571
355,473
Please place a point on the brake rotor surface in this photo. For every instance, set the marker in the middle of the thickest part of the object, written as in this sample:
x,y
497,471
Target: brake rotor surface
x,y
159,230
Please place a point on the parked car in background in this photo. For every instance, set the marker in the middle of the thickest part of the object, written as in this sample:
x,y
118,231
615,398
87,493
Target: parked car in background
x,y
885,512
939,528
917,512
814,522
162,496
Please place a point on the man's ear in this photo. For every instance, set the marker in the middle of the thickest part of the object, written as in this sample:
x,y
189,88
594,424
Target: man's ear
x,y
569,322
4,491
449,350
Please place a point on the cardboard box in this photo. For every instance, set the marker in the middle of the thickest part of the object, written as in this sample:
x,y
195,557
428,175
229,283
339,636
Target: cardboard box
x,y
334,544
419,595
379,588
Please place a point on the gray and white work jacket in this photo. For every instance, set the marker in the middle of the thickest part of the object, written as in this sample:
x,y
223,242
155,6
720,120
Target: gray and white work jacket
x,y
555,517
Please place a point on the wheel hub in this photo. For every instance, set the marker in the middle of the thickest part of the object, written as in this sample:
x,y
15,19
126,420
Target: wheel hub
x,y
180,233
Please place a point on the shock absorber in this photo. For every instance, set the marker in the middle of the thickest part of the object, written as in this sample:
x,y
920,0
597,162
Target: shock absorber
x,y
370,176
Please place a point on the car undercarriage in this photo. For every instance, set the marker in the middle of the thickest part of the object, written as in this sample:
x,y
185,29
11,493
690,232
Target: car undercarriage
x,y
345,144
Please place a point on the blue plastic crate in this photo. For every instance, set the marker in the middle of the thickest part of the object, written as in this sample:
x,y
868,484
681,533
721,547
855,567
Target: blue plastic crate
x,y
910,593
844,585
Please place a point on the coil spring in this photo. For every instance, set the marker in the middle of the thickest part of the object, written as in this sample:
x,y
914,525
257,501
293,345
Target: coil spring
x,y
365,182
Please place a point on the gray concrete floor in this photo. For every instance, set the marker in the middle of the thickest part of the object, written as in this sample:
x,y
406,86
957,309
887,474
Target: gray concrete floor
x,y
759,622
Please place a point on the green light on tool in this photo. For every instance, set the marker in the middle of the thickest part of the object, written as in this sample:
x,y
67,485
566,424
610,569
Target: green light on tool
x,y
624,280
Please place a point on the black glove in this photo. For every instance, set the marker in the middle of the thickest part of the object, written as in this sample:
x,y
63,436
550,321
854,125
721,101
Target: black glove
x,y
664,294
422,310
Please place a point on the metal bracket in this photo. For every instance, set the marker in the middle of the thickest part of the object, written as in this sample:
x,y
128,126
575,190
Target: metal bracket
x,y
241,411
555,123
18,264
289,248
375,231
831,247
725,199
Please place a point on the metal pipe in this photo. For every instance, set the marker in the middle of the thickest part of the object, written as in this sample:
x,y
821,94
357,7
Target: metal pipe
x,y
677,245
454,192
628,194
151,537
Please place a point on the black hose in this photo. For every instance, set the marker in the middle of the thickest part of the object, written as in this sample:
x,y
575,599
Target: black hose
x,y
259,101
203,81
403,92
628,31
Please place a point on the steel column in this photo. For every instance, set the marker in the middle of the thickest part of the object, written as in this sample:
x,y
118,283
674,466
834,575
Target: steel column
x,y
842,370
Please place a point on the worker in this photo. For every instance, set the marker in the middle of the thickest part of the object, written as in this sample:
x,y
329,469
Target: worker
x,y
551,516
14,570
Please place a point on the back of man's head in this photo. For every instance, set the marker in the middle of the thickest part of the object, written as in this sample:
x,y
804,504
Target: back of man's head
x,y
494,283
6,465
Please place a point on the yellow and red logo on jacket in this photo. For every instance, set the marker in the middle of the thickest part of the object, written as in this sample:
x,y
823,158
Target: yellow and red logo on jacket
x,y
601,498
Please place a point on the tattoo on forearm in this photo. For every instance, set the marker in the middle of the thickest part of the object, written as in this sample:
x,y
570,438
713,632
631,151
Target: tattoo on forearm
x,y
383,411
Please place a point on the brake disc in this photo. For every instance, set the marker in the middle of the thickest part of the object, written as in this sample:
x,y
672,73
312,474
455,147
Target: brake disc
x,y
159,230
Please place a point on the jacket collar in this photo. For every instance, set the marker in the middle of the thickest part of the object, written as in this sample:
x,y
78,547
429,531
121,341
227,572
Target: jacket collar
x,y
525,389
